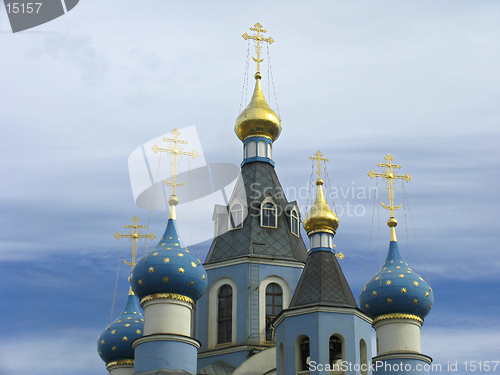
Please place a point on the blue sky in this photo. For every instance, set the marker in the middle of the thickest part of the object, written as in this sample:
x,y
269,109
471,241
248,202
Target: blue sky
x,y
356,80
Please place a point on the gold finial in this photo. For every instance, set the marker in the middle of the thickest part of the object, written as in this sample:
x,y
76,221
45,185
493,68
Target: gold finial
x,y
135,236
389,175
176,152
318,156
320,217
339,255
258,38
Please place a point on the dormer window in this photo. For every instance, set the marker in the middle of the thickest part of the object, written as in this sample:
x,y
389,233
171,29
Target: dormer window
x,y
268,215
236,217
294,222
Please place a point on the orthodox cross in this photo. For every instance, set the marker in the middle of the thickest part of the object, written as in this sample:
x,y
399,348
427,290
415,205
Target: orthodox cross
x,y
135,237
258,38
339,255
318,156
175,154
389,176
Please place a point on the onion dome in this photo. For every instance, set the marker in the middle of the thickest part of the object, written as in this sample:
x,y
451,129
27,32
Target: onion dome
x,y
115,342
169,268
396,288
320,217
258,119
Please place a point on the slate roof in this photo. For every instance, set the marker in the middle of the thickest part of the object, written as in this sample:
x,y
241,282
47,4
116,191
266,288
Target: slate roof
x,y
217,368
277,243
322,283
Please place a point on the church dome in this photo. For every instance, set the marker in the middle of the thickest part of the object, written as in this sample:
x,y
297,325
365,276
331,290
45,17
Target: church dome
x,y
396,288
115,342
169,268
320,216
258,119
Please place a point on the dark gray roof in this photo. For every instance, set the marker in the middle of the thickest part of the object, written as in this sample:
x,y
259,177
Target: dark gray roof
x,y
276,243
217,368
322,283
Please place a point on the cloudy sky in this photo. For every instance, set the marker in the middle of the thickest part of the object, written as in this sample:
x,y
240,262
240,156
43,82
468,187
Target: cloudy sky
x,y
354,79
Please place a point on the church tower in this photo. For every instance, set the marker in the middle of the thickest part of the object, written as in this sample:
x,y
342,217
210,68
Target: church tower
x,y
168,280
257,255
322,330
115,342
398,299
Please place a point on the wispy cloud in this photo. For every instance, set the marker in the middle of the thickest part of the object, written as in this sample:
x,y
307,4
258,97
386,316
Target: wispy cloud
x,y
75,50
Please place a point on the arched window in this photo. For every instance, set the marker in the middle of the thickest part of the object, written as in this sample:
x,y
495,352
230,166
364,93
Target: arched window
x,y
294,222
324,239
274,305
305,354
236,217
268,217
261,149
363,357
281,361
225,313
251,149
335,351
269,151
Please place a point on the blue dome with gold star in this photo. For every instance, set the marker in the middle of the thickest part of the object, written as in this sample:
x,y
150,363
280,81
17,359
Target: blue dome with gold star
x,y
115,342
396,288
169,268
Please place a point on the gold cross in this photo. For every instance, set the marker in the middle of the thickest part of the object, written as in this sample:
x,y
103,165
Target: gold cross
x,y
135,237
389,176
258,38
339,255
175,154
318,156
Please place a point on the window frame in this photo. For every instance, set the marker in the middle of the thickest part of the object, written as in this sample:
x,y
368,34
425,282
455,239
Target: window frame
x,y
262,215
336,353
227,320
213,312
294,215
304,351
262,300
274,305
232,224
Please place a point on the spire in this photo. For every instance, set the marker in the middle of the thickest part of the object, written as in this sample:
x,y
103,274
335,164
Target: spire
x,y
320,216
115,342
176,153
258,119
389,175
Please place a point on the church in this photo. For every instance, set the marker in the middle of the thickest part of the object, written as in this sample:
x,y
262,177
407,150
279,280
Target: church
x,y
265,300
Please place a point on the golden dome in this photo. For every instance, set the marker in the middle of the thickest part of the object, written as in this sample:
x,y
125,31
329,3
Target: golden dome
x,y
320,216
258,118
